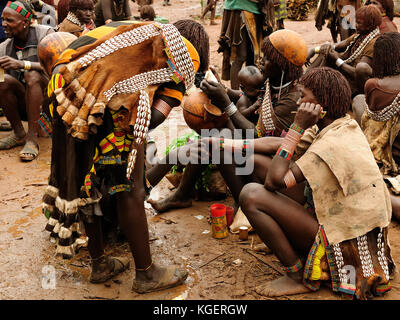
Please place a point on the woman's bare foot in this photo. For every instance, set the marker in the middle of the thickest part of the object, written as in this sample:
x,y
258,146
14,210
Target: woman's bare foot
x,y
283,286
171,202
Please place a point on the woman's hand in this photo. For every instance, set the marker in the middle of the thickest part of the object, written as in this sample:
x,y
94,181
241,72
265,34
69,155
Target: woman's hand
x,y
307,115
333,55
8,63
216,92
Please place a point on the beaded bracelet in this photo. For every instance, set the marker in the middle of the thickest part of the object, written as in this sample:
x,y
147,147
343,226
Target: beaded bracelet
x,y
221,144
297,128
298,266
245,146
290,142
285,154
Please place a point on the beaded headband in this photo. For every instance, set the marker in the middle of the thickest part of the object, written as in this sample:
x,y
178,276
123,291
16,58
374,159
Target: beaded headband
x,y
25,13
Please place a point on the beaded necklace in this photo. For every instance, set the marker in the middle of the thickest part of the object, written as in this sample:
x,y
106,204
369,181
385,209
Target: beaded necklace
x,y
362,45
74,19
386,113
265,125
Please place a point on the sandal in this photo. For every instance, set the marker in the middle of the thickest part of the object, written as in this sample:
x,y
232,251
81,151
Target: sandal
x,y
5,126
108,268
30,151
172,277
11,141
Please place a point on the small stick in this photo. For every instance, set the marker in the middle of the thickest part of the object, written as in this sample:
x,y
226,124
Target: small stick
x,y
265,262
204,264
168,220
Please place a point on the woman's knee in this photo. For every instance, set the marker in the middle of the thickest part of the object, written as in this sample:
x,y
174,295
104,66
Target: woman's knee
x,y
250,194
9,84
32,78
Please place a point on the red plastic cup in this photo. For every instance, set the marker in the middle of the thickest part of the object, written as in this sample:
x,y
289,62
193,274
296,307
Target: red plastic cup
x,y
218,210
229,215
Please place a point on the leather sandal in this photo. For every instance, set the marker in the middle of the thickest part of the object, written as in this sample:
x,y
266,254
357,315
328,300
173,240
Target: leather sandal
x,y
107,268
172,277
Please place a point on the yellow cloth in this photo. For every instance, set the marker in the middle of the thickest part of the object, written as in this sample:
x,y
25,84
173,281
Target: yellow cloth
x,y
349,193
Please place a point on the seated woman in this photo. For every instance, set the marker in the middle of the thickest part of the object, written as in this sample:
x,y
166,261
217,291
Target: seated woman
x,y
343,236
386,7
353,56
111,10
24,82
381,121
79,18
285,53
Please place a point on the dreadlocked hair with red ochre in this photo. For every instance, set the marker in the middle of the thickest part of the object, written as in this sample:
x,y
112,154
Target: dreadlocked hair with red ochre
x,y
330,88
292,72
371,16
388,6
62,10
198,37
386,60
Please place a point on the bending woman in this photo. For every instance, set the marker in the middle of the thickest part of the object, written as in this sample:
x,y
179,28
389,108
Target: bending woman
x,y
342,238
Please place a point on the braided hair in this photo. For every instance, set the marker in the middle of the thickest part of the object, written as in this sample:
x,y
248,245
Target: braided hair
x,y
330,88
386,59
198,37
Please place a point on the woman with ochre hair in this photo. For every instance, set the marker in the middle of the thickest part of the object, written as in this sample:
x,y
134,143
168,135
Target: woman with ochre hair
x,y
353,56
79,18
386,7
331,229
381,121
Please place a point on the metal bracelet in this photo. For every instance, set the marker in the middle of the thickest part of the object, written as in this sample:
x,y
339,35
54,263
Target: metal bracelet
x,y
231,109
339,62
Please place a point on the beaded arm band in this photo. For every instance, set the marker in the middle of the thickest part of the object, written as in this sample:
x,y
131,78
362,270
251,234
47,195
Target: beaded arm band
x,y
290,142
22,11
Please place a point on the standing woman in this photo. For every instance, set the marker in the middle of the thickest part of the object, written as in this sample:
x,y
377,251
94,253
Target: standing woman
x,y
112,10
341,239
79,18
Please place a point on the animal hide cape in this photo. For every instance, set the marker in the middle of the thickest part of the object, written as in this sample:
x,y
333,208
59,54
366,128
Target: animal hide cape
x,y
110,73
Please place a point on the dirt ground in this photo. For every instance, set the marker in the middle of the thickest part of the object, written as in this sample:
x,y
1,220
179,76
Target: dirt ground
x,y
219,269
